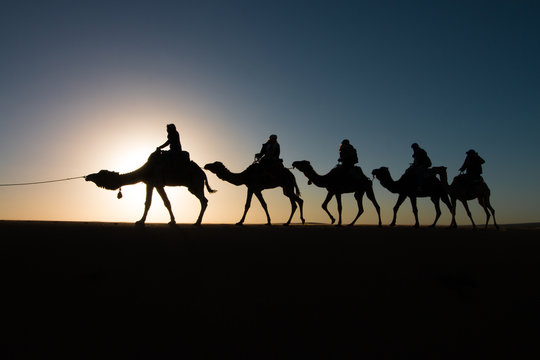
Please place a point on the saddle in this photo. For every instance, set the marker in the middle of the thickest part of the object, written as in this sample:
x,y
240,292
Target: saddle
x,y
469,180
354,172
268,168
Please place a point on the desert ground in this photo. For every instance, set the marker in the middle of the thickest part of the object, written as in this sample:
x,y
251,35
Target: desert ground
x,y
88,290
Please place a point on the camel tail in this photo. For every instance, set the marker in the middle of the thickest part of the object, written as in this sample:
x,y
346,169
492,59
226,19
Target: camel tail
x,y
296,188
210,190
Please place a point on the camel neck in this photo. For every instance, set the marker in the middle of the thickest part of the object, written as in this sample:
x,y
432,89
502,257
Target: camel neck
x,y
233,178
390,184
132,177
315,178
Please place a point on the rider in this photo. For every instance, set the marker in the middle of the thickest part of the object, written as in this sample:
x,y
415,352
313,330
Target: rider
x,y
472,165
420,165
175,154
173,139
270,150
268,157
421,158
347,154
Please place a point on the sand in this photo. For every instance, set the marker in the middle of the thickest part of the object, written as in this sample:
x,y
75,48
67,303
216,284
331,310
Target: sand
x,y
85,290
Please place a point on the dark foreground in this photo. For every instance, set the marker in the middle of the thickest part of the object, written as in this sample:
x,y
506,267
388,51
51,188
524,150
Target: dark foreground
x,y
77,290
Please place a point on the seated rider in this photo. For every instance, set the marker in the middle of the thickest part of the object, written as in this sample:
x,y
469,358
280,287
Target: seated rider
x,y
347,154
347,158
420,165
268,157
175,154
421,158
173,139
472,166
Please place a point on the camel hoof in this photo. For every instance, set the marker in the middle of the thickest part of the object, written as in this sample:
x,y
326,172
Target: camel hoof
x,y
303,221
140,223
268,224
172,222
333,221
240,223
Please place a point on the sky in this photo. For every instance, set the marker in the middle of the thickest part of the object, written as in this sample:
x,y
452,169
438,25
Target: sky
x,y
91,85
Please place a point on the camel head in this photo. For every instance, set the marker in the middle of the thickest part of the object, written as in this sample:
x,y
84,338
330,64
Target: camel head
x,y
381,172
215,167
302,165
105,179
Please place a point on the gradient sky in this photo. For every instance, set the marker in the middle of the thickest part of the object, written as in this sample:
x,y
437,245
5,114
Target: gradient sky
x,y
90,85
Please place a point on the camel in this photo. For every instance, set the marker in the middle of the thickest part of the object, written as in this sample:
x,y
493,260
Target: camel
x,y
406,186
463,190
341,181
157,173
257,179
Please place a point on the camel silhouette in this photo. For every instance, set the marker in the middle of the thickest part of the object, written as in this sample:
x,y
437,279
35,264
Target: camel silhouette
x,y
157,173
407,186
257,179
340,181
463,190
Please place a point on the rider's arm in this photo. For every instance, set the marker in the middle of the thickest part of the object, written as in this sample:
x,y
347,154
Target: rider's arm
x,y
164,145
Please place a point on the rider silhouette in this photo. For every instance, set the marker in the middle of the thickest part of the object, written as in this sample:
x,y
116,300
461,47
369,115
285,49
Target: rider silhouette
x,y
268,157
270,150
347,154
420,165
173,139
421,158
175,156
472,165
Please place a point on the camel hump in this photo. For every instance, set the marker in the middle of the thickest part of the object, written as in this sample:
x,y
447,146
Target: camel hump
x,y
268,169
468,180
353,171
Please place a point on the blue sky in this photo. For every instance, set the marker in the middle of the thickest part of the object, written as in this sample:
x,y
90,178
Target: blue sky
x,y
91,84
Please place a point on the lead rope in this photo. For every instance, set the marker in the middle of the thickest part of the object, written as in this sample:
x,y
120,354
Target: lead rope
x,y
43,182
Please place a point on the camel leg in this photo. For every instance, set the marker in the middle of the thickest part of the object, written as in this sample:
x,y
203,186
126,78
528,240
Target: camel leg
x,y
147,203
294,199
199,193
415,211
488,204
454,203
325,205
435,201
293,209
466,206
339,207
371,196
400,201
166,202
246,206
358,196
301,206
259,196
448,204
484,202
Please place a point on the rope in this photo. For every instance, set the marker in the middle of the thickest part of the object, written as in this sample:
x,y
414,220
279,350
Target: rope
x,y
43,182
